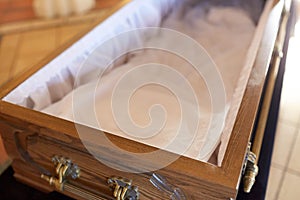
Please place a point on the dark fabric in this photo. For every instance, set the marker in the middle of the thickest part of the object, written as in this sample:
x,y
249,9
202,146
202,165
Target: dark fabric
x,y
10,189
258,191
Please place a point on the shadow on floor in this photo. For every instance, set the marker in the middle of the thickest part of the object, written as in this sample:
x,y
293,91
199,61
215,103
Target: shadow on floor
x,y
11,189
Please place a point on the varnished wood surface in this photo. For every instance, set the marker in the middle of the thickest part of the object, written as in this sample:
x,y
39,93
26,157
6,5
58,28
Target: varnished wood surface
x,y
244,124
182,173
197,178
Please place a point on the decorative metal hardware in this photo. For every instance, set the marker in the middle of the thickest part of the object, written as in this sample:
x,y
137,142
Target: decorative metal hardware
x,y
253,157
246,158
123,189
279,52
251,172
162,184
64,169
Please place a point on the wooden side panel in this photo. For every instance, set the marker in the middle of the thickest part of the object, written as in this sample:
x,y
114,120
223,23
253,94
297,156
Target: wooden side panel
x,y
36,145
32,148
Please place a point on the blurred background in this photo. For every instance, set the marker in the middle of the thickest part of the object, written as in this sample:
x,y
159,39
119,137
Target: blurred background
x,y
20,10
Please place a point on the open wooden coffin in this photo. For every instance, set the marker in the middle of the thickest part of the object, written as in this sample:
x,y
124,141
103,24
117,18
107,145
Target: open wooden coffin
x,y
67,109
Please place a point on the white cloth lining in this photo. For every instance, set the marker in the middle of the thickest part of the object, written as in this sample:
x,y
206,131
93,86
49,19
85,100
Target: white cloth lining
x,y
50,89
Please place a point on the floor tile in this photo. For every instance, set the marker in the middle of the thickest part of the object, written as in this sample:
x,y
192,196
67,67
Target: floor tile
x,y
65,33
294,163
35,45
8,48
285,136
38,40
274,183
290,188
290,106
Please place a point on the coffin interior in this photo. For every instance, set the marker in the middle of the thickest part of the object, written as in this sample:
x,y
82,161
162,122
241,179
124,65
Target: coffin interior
x,y
51,89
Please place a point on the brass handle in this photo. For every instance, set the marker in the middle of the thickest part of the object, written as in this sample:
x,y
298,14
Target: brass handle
x,y
65,168
123,188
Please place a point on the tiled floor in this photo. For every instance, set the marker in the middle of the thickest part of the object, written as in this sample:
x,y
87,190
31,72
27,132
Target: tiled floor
x,y
16,10
284,181
20,51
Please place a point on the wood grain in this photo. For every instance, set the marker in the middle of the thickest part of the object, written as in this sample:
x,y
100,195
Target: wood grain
x,y
45,136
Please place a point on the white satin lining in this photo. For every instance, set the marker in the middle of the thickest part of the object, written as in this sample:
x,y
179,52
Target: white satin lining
x,y
225,32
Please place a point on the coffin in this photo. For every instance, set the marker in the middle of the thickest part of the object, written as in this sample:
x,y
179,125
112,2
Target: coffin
x,y
156,101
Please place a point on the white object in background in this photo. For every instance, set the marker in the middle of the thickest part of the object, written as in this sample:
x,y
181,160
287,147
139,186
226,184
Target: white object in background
x,y
81,6
44,8
62,7
53,8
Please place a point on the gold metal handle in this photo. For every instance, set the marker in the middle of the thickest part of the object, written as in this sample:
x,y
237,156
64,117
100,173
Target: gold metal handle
x,y
65,168
123,188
